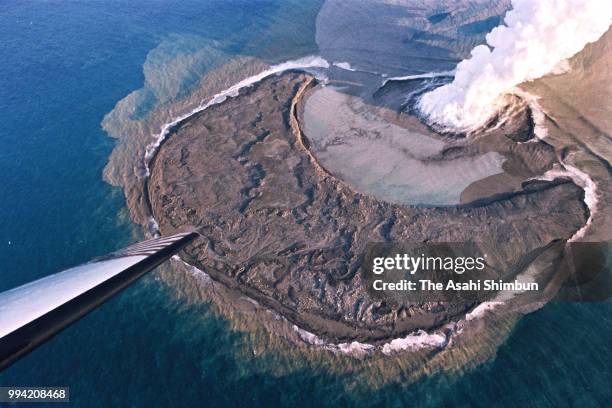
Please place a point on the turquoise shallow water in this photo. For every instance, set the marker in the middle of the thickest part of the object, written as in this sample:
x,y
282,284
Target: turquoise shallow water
x,y
64,66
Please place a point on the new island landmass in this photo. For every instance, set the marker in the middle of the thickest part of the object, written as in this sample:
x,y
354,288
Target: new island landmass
x,y
281,177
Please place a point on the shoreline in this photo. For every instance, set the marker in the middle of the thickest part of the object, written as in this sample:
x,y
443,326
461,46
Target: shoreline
x,y
411,342
354,345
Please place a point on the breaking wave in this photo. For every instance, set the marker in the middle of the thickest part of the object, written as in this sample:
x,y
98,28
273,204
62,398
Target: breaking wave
x,y
426,75
584,181
304,63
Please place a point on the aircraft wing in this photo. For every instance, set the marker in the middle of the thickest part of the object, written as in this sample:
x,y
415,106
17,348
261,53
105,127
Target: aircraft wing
x,y
32,313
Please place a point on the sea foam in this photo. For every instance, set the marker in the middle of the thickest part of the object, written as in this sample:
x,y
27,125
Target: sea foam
x,y
426,75
584,181
304,63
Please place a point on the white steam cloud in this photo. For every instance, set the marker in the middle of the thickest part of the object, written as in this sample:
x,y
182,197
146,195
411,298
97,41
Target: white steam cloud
x,y
536,38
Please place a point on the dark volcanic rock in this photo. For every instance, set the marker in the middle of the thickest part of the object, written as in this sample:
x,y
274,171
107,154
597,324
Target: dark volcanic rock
x,y
279,228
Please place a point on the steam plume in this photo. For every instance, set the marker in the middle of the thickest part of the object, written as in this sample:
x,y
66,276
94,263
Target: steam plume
x,y
536,38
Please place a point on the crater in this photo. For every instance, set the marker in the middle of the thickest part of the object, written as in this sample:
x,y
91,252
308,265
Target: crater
x,y
286,228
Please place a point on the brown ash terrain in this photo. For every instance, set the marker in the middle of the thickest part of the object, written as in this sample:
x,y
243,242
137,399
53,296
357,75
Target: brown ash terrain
x,y
279,227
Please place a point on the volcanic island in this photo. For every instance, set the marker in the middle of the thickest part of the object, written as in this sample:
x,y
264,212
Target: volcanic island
x,y
282,229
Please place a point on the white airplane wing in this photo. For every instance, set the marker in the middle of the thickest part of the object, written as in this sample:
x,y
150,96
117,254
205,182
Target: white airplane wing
x,y
32,313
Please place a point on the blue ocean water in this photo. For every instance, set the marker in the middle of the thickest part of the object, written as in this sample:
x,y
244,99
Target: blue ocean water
x,y
64,65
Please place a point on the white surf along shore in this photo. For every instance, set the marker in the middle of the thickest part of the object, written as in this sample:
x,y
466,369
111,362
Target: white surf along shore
x,y
302,63
411,342
579,177
419,339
